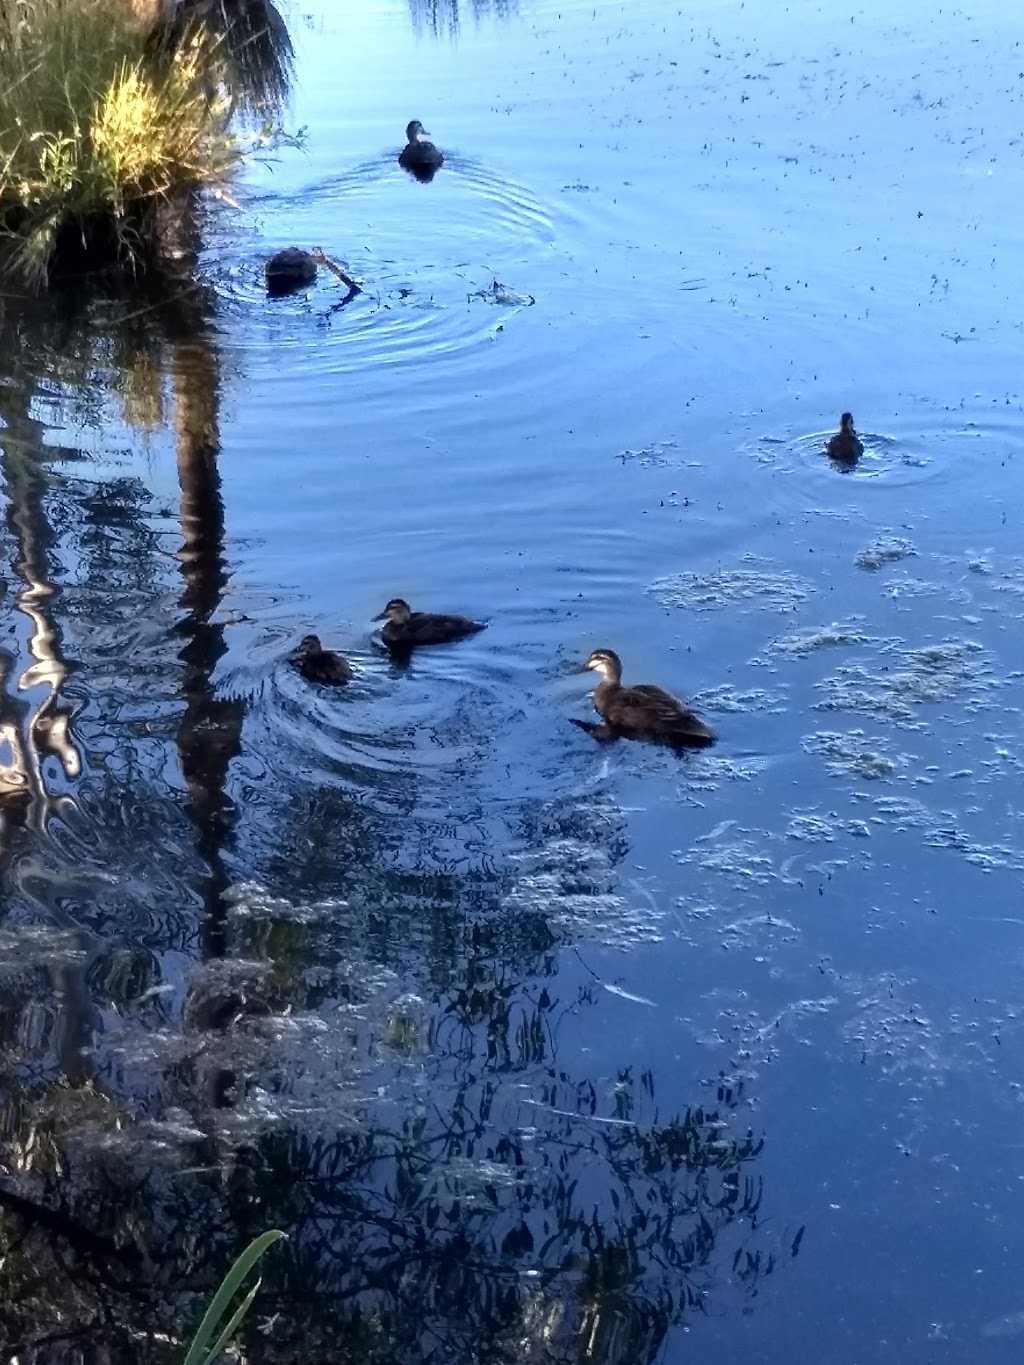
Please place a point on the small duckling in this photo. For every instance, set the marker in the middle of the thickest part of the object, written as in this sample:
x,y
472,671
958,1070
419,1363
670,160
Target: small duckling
x,y
641,712
405,628
319,665
289,270
418,156
846,445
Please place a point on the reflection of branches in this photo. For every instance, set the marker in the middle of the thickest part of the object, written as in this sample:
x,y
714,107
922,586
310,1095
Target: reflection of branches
x,y
516,1213
445,16
523,1245
252,42
30,733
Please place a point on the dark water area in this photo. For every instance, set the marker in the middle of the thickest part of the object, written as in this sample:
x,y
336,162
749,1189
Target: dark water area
x,y
538,1049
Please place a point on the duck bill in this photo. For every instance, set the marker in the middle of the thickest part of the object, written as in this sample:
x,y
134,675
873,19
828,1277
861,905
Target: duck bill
x,y
583,668
381,616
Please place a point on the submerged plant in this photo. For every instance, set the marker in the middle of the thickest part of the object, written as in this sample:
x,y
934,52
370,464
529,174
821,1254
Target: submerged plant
x,y
100,126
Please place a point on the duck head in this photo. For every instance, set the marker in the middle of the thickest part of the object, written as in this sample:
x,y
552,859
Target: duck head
x,y
309,644
603,661
415,130
846,422
397,609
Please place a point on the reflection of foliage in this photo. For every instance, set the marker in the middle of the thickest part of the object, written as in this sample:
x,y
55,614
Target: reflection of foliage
x,y
579,1227
253,47
445,16
474,1200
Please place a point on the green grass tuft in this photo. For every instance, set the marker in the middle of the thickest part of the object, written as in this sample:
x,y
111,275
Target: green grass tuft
x,y
98,124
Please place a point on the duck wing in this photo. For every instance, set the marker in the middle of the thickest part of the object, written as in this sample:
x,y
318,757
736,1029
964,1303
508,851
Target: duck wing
x,y
327,668
334,669
650,710
844,448
433,628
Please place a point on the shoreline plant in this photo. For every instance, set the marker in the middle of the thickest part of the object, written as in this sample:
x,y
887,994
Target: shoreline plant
x,y
104,129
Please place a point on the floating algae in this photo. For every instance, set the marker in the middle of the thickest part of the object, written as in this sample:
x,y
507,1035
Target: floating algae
x,y
953,669
885,550
757,582
729,700
853,754
573,885
652,456
800,643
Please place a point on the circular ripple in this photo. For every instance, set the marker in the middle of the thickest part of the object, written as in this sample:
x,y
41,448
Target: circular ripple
x,y
426,256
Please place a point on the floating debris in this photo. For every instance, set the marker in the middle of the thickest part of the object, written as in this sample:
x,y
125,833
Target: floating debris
x,y
885,550
729,700
806,641
934,673
853,754
757,582
652,456
501,294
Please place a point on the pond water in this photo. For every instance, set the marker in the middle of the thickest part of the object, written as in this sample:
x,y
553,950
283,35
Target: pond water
x,y
537,1048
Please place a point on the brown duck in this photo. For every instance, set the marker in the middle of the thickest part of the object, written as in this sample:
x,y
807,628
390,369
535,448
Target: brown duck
x,y
641,712
319,665
418,155
845,446
404,628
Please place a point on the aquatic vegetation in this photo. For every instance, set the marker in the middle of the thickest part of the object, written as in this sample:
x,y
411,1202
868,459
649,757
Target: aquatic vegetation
x,y
952,669
205,1350
885,550
757,582
653,456
808,640
729,700
853,754
100,129
503,296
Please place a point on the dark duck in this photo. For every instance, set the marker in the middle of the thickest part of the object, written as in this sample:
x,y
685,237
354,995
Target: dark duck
x,y
319,665
405,629
845,446
642,711
419,157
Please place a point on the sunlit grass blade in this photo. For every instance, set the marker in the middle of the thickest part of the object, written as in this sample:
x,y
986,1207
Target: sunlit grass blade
x,y
200,1352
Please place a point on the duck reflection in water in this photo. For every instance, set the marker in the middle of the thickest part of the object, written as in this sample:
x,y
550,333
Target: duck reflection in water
x,y
845,447
640,712
420,157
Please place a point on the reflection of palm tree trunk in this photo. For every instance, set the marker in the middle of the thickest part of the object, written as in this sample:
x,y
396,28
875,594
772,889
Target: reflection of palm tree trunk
x,y
209,735
29,733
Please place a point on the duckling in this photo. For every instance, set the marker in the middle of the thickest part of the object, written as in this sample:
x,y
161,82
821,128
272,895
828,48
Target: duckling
x,y
846,445
319,665
641,712
405,628
418,156
289,270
